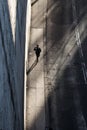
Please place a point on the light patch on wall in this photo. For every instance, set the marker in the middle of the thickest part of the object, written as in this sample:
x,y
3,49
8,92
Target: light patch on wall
x,y
28,22
12,11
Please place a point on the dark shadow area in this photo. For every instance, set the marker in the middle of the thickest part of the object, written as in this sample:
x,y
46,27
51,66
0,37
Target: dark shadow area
x,y
81,7
20,38
69,110
82,86
32,67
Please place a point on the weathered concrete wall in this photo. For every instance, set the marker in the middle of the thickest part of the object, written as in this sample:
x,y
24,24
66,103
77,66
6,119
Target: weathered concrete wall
x,y
14,37
61,32
64,100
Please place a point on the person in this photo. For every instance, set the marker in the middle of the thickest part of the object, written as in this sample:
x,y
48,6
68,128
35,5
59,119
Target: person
x,y
37,50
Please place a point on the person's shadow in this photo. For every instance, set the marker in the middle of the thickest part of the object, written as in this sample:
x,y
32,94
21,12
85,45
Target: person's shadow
x,y
33,2
32,67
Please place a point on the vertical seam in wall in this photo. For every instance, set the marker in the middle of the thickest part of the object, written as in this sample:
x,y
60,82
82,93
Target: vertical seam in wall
x,y
26,57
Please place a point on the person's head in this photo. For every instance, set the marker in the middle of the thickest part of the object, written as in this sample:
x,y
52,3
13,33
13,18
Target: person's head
x,y
37,45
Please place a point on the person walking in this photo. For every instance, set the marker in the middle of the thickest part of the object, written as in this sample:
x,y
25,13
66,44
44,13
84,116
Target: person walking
x,y
37,50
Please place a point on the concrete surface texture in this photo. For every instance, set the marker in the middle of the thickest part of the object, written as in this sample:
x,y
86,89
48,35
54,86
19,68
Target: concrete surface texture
x,y
14,38
57,84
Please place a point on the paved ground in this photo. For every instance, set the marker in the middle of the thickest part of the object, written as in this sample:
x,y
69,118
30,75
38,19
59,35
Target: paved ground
x,y
35,87
57,84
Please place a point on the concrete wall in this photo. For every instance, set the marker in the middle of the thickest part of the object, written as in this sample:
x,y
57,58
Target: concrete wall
x,y
57,89
62,60
14,37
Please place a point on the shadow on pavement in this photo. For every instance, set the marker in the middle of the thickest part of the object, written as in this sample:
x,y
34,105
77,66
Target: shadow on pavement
x,y
32,67
32,3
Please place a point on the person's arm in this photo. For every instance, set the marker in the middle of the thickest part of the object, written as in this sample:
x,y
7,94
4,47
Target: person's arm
x,y
40,49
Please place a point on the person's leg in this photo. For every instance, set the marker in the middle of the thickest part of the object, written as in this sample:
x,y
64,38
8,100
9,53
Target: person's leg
x,y
37,58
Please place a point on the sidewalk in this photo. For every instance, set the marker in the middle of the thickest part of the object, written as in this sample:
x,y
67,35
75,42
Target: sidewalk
x,y
35,112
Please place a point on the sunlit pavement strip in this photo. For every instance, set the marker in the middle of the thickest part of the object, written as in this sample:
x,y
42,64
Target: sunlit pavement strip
x,y
35,88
